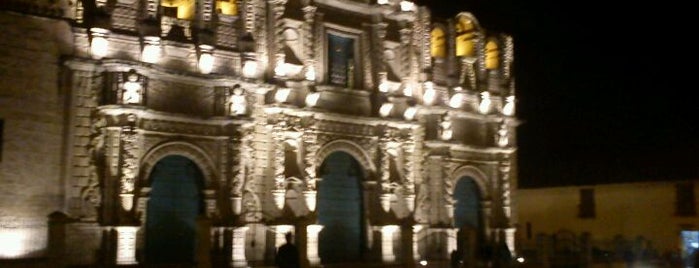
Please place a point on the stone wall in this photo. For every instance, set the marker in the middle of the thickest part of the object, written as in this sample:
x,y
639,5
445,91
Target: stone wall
x,y
31,105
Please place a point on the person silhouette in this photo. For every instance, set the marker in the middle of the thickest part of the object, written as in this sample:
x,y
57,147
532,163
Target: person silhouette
x,y
288,254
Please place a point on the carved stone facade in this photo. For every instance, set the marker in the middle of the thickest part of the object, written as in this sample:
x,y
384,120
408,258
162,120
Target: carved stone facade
x,y
245,94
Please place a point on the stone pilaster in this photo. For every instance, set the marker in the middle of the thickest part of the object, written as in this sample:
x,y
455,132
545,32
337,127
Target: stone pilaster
x,y
279,189
387,243
425,27
309,13
311,147
126,245
129,165
378,37
277,23
505,198
386,187
406,49
312,232
238,258
416,241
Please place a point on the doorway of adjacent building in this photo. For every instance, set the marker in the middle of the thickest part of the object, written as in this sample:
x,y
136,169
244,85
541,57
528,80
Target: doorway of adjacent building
x,y
340,210
690,248
174,204
467,217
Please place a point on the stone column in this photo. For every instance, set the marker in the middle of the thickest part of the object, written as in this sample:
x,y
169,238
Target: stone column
x,y
131,152
279,191
486,212
310,146
416,240
379,36
452,242
280,233
126,245
312,232
387,254
386,187
309,13
426,26
405,55
504,176
278,7
510,239
238,247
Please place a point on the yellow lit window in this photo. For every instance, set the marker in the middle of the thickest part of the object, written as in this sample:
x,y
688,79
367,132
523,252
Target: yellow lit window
x,y
184,8
226,7
437,43
492,57
464,37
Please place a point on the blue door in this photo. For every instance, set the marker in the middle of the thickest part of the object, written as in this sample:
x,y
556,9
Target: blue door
x,y
340,210
174,204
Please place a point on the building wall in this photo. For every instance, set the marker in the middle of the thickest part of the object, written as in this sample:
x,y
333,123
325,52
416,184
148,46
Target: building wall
x,y
32,105
629,210
76,148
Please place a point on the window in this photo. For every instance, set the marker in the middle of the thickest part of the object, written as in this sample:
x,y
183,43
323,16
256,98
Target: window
x,y
181,9
226,7
438,47
465,34
586,208
685,201
341,69
492,56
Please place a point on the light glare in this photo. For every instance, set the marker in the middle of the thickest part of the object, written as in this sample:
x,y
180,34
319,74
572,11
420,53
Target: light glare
x,y
385,109
250,69
312,99
485,102
99,47
206,63
282,94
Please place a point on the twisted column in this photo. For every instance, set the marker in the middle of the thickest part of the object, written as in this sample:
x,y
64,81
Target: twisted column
x,y
309,13
277,13
504,172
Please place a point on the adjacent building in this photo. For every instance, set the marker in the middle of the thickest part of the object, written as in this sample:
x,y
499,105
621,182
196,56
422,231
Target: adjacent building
x,y
655,223
139,132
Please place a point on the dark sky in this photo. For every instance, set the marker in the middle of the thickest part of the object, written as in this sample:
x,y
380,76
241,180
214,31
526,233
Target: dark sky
x,y
605,93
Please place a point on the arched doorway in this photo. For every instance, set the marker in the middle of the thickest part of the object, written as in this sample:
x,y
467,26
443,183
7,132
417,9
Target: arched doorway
x,y
340,210
174,204
467,218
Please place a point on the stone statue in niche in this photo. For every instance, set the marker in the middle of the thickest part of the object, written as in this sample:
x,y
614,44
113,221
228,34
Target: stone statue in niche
x,y
237,104
133,89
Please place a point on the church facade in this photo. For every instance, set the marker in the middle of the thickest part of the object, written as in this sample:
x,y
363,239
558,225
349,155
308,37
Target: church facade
x,y
139,132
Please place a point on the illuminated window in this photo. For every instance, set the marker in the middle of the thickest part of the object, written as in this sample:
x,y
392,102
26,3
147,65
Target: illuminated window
x,y
226,7
438,46
181,9
586,208
685,201
341,69
492,55
465,33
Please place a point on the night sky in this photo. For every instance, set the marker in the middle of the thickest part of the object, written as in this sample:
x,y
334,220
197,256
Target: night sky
x,y
605,93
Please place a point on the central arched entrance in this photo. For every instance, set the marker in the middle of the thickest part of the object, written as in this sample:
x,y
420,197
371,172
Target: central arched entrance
x,y
467,217
340,210
174,204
